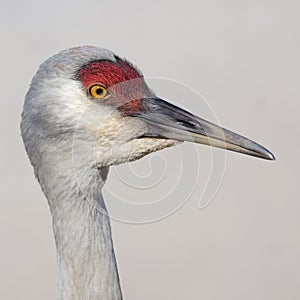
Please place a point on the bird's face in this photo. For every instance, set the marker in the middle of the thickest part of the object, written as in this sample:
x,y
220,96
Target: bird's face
x,y
105,99
118,91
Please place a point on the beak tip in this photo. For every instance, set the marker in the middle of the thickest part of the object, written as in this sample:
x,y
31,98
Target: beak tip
x,y
269,156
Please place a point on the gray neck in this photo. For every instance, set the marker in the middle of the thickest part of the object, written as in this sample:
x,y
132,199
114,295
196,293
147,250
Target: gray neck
x,y
86,262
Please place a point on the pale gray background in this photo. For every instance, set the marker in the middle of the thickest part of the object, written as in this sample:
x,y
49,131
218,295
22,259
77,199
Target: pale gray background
x,y
244,57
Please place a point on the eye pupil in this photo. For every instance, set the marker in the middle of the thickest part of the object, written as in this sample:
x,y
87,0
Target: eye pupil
x,y
99,91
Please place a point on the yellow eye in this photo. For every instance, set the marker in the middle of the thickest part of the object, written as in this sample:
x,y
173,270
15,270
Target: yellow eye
x,y
98,91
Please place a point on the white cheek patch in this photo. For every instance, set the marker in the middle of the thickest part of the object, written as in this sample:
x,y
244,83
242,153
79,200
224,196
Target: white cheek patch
x,y
130,151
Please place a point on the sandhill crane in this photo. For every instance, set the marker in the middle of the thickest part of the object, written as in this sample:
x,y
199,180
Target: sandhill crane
x,y
91,95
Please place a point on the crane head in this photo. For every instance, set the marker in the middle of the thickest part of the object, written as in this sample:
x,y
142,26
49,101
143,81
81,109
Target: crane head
x,y
104,99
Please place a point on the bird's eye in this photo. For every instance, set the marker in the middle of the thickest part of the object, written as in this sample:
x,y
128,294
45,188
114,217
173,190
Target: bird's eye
x,y
98,91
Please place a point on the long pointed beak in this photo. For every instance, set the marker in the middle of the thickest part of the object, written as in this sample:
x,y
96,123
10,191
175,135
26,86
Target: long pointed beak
x,y
166,120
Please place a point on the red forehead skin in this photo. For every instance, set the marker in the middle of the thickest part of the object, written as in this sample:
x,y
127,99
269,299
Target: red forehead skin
x,y
110,74
107,73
